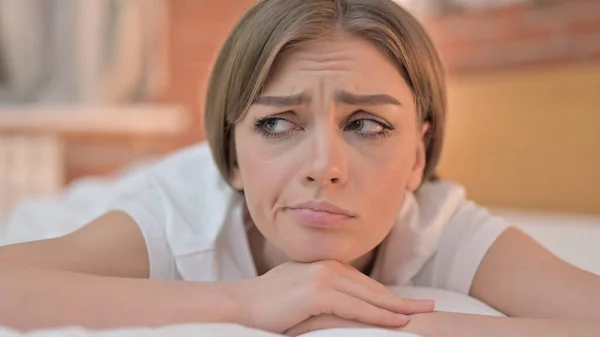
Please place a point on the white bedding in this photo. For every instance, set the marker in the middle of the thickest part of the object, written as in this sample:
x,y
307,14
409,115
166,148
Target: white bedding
x,y
204,330
573,238
445,301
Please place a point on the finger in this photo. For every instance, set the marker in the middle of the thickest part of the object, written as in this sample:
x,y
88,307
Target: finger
x,y
378,295
354,309
407,306
321,322
413,305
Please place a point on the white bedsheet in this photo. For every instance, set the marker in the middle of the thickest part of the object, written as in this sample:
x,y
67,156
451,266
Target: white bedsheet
x,y
204,330
573,238
445,301
3,224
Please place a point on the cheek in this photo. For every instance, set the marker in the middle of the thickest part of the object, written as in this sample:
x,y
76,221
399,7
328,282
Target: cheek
x,y
259,166
388,168
264,173
386,189
383,181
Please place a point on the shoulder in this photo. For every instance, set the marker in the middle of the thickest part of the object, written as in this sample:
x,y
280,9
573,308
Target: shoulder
x,y
445,205
177,192
461,231
186,183
189,173
437,200
439,237
180,204
193,163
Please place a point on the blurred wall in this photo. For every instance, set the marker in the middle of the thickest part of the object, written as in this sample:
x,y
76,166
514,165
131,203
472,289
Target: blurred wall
x,y
196,30
524,91
527,138
524,104
529,33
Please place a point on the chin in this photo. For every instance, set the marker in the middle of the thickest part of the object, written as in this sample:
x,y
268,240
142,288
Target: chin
x,y
313,252
305,244
312,257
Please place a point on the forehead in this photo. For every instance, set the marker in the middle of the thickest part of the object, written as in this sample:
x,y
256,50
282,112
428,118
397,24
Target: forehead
x,y
350,58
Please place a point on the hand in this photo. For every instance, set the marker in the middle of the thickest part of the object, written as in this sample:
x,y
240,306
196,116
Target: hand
x,y
419,324
293,292
322,322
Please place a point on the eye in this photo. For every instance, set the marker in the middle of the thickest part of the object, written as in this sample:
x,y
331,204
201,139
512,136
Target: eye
x,y
275,127
369,128
366,126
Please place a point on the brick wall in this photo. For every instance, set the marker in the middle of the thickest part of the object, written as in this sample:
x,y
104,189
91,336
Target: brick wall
x,y
197,30
538,32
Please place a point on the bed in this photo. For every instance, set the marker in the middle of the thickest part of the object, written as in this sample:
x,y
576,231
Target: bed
x,y
573,237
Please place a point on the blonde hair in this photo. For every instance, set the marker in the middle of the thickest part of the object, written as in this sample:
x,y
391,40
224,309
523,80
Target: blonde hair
x,y
272,26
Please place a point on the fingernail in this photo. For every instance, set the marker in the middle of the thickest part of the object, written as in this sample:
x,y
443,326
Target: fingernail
x,y
402,322
403,318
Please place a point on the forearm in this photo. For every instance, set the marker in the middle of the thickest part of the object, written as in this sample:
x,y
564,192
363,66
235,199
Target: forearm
x,y
32,298
442,324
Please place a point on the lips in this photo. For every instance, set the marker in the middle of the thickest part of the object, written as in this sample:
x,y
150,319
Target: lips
x,y
320,214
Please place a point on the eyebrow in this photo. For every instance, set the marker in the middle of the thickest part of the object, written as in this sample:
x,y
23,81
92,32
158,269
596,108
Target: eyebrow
x,y
341,96
282,101
355,99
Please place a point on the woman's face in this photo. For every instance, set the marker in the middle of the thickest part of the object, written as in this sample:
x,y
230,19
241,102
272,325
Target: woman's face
x,y
329,148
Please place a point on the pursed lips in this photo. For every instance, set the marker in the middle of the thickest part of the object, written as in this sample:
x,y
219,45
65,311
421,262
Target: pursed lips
x,y
320,213
322,206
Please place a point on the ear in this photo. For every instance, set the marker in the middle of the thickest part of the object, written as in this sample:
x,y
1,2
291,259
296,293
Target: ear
x,y
416,175
236,179
235,176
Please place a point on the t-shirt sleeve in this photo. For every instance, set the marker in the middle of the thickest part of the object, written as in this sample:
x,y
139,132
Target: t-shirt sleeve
x,y
148,207
462,246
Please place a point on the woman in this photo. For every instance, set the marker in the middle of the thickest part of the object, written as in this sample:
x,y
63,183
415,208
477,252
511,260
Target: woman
x,y
324,118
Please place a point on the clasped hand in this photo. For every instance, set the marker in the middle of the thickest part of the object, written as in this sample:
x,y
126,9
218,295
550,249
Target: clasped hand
x,y
295,298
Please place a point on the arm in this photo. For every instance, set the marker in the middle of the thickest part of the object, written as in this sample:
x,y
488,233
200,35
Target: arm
x,y
94,277
443,324
446,324
522,279
544,295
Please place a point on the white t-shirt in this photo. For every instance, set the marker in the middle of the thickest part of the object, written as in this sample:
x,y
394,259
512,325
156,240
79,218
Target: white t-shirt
x,y
192,222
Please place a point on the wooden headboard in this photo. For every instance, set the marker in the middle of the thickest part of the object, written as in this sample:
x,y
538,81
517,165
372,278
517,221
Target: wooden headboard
x,y
527,138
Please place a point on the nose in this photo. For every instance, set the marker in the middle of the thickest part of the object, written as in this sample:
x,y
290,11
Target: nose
x,y
327,164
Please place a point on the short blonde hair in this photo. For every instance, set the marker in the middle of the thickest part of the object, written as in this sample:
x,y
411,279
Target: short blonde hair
x,y
272,26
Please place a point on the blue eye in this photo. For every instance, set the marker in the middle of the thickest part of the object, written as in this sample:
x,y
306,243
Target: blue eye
x,y
278,125
369,128
274,127
366,125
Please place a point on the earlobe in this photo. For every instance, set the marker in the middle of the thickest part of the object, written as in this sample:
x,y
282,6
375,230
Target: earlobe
x,y
236,179
416,176
235,176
